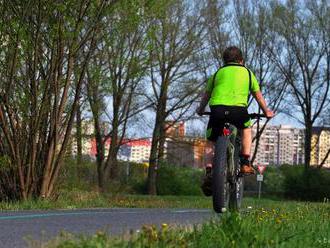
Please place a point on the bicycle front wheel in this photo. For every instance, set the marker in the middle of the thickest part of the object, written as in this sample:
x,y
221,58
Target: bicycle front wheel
x,y
236,194
220,187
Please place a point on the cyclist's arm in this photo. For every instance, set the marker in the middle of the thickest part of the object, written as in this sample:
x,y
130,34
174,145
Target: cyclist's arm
x,y
262,103
204,100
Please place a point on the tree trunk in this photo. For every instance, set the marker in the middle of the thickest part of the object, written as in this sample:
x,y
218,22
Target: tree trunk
x,y
161,145
79,134
100,176
155,150
99,153
112,162
308,145
153,161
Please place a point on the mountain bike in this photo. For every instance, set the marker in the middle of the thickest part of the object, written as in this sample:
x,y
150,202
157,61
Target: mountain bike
x,y
227,183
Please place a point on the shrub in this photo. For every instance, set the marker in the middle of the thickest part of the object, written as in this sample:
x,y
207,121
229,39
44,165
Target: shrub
x,y
9,181
172,180
311,184
273,180
273,183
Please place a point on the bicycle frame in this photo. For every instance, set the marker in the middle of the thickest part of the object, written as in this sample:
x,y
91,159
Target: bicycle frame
x,y
234,182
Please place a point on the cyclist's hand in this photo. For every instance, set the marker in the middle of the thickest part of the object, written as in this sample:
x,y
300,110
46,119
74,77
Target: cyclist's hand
x,y
269,114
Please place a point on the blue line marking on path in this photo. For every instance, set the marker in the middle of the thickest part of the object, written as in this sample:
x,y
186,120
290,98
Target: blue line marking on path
x,y
31,216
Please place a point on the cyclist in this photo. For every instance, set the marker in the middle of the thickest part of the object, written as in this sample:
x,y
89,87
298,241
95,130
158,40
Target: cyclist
x,y
227,93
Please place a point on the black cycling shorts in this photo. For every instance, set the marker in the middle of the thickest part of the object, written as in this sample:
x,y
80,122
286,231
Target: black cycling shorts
x,y
220,114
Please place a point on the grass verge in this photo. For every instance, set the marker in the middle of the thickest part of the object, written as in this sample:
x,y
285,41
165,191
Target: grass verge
x,y
268,223
87,199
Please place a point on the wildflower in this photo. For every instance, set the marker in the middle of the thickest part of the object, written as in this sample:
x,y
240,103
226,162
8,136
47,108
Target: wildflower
x,y
278,221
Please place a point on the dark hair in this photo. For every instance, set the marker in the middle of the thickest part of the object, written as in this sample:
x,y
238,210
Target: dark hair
x,y
232,54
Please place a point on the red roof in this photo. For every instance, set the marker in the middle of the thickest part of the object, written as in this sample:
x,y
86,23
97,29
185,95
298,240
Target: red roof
x,y
137,142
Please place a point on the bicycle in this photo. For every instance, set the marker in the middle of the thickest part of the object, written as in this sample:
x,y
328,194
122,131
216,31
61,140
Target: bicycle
x,y
227,183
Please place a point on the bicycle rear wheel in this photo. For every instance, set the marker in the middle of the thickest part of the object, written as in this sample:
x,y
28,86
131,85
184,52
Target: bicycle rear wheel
x,y
220,187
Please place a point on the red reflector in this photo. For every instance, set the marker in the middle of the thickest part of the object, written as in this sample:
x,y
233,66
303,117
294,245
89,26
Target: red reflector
x,y
226,132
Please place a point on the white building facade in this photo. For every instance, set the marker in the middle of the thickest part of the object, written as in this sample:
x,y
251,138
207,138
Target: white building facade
x,y
279,145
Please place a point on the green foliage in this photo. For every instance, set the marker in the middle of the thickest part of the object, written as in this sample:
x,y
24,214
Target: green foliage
x,y
289,181
172,180
8,180
312,184
83,177
132,177
293,182
273,182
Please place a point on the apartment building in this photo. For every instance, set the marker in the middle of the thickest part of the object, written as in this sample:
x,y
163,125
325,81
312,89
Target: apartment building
x,y
320,146
135,150
279,145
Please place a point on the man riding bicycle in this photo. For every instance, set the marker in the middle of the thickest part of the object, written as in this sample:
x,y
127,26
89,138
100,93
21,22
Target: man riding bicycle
x,y
227,93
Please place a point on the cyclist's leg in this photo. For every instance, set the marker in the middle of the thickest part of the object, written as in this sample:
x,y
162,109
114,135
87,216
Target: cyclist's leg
x,y
246,167
241,119
246,141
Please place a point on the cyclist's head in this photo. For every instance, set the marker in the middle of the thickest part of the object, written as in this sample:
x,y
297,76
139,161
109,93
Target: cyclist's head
x,y
232,54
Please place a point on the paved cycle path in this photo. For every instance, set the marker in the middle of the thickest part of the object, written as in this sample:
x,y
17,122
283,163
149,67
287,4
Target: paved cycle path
x,y
16,226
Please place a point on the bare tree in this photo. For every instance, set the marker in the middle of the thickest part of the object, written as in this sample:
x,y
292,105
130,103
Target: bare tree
x,y
217,32
174,42
115,76
252,19
302,58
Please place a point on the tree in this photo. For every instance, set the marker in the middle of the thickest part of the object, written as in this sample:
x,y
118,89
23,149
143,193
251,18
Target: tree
x,y
302,57
217,33
253,24
174,43
39,46
115,76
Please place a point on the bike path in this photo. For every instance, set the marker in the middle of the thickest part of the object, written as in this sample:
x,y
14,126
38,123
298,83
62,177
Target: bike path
x,y
16,226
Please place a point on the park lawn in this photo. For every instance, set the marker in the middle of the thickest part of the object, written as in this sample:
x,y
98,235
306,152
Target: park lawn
x,y
261,223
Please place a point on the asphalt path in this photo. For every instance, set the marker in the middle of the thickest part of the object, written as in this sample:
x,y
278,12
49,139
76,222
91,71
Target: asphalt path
x,y
17,226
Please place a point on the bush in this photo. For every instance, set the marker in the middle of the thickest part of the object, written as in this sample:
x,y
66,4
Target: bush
x,y
273,183
273,180
9,181
172,180
132,177
311,184
83,176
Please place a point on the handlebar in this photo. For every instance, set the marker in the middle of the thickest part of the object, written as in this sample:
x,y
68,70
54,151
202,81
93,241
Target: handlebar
x,y
206,113
257,116
252,115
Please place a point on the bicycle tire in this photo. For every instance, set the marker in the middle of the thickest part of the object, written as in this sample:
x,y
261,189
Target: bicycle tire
x,y
220,194
237,186
236,195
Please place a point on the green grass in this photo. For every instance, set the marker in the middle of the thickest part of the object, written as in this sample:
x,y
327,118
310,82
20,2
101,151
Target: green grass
x,y
90,199
267,223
